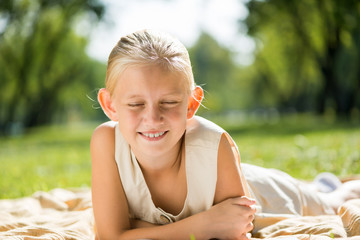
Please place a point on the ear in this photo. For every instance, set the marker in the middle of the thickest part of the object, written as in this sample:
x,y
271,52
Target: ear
x,y
106,103
194,101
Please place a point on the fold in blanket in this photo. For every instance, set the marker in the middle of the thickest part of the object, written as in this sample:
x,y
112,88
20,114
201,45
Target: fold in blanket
x,y
350,215
67,215
322,227
58,214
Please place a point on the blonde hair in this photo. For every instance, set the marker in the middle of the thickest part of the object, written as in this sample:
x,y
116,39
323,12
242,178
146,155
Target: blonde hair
x,y
149,48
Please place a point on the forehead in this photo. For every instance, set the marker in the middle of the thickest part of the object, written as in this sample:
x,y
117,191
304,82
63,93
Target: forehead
x,y
151,78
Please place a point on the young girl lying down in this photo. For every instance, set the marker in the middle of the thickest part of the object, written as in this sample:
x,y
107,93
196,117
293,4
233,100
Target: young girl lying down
x,y
160,172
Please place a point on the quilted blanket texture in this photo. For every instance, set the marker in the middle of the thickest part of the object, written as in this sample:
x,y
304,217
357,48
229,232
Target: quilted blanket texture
x,y
67,214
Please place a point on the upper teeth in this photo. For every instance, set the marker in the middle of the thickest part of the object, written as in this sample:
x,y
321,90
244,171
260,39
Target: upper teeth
x,y
152,135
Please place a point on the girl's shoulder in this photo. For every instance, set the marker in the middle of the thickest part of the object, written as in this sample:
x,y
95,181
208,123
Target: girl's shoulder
x,y
200,131
106,126
200,124
104,132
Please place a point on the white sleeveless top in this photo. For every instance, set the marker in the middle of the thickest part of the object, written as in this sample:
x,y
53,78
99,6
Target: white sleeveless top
x,y
202,139
277,194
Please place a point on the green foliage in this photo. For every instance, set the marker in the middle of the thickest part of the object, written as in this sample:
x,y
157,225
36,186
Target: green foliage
x,y
306,60
213,68
308,54
44,58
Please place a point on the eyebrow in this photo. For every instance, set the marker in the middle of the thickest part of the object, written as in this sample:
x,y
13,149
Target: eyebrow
x,y
176,94
133,96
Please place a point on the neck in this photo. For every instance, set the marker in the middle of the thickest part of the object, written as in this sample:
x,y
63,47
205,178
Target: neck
x,y
160,165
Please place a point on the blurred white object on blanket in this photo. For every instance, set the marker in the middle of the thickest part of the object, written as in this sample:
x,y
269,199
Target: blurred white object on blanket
x,y
326,182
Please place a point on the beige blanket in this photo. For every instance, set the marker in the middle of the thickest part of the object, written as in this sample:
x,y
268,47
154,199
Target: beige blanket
x,y
58,214
67,214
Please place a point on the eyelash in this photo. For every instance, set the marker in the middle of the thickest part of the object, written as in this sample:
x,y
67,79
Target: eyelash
x,y
142,104
135,104
170,102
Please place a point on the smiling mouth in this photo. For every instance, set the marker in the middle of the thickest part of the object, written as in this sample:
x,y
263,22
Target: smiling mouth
x,y
153,136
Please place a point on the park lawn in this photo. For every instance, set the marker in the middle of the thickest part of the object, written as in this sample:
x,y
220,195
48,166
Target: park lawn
x,y
58,156
45,158
302,153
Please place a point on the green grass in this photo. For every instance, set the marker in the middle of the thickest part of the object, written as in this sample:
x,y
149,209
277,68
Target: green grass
x,y
58,156
45,158
302,146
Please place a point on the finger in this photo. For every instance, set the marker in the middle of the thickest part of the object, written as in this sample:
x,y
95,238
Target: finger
x,y
251,217
249,227
247,210
245,237
253,208
243,201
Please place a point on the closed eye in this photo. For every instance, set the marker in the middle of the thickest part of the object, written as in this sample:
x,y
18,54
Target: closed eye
x,y
169,102
135,104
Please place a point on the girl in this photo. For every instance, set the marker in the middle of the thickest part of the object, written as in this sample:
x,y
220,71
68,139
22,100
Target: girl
x,y
159,171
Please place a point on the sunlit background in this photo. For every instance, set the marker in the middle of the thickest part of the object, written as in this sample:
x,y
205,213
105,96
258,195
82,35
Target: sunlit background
x,y
272,70
185,19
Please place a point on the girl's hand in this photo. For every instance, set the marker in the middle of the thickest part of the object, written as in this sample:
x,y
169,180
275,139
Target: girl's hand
x,y
230,219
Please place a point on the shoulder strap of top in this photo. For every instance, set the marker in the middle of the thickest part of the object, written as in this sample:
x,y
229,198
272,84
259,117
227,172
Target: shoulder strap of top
x,y
201,147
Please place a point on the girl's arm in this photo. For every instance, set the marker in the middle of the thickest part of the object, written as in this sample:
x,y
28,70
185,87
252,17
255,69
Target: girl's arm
x,y
230,181
219,222
108,198
111,209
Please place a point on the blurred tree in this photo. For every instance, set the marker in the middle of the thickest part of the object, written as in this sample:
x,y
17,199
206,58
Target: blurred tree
x,y
308,53
213,68
42,57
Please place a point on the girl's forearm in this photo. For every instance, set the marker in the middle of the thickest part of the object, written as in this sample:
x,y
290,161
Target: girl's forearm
x,y
135,223
183,229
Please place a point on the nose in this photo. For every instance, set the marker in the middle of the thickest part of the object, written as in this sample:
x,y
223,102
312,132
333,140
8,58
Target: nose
x,y
153,116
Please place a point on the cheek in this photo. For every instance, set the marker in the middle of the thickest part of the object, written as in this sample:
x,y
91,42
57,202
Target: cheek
x,y
178,114
128,118
128,123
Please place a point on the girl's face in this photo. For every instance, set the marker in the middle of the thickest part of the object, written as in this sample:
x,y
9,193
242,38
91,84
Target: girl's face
x,y
151,107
